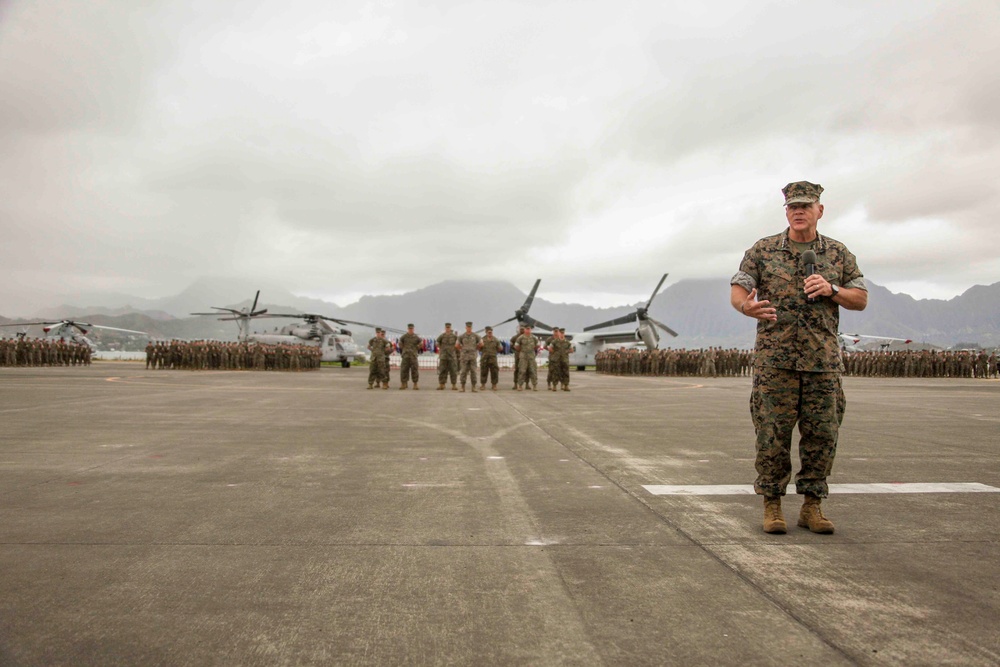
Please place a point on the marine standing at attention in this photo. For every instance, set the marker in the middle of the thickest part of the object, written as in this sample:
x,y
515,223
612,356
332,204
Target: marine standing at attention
x,y
550,370
488,365
469,344
378,368
559,351
447,362
797,362
526,347
517,357
410,347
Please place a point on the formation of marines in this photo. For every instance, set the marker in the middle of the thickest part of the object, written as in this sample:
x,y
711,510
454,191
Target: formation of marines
x,y
718,362
923,364
24,351
244,356
469,359
703,362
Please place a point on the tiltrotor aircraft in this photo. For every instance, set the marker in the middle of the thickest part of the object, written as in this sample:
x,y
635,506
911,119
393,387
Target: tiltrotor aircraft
x,y
335,343
70,330
588,344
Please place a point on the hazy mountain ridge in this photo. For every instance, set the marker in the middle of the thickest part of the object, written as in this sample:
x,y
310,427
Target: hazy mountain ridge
x,y
697,309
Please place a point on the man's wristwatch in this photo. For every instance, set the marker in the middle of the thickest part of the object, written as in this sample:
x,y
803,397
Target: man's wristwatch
x,y
836,290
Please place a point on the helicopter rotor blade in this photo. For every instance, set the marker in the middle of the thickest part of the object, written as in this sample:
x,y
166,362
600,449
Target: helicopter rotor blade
x,y
254,306
624,319
663,326
101,326
363,324
28,324
656,291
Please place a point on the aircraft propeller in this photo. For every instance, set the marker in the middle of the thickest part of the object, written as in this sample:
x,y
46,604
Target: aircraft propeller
x,y
521,314
640,315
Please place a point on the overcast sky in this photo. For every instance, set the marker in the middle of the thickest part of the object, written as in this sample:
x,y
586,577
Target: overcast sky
x,y
350,148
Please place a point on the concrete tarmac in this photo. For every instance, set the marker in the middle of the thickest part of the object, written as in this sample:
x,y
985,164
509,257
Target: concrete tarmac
x,y
252,518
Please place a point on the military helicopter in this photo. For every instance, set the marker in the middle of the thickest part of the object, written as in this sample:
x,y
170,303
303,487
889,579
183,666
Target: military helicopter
x,y
589,344
242,317
335,343
849,341
70,330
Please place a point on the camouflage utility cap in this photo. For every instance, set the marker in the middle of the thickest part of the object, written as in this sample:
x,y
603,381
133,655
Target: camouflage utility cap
x,y
802,192
468,324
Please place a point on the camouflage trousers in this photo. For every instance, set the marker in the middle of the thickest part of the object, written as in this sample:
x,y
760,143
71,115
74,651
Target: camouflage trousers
x,y
447,367
558,371
489,369
378,370
468,367
408,367
780,399
527,371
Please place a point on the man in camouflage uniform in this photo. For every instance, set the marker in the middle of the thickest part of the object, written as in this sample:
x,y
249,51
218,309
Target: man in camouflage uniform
x,y
797,366
549,368
469,344
410,347
525,347
447,360
517,357
559,351
378,372
489,368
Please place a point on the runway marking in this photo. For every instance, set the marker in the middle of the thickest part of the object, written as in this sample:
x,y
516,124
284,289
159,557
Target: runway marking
x,y
892,487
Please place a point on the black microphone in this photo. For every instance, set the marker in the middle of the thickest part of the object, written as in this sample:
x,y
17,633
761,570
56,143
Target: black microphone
x,y
808,260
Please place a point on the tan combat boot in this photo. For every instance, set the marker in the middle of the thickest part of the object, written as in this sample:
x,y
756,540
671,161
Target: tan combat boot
x,y
463,388
440,387
811,517
473,387
415,387
774,520
494,387
482,387
565,387
369,385
402,386
385,385
454,387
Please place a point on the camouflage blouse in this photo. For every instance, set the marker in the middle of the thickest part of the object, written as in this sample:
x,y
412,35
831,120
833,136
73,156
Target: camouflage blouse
x,y
491,346
410,344
805,336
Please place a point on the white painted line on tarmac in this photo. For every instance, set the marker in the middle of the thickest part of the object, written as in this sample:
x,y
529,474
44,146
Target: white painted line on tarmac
x,y
894,487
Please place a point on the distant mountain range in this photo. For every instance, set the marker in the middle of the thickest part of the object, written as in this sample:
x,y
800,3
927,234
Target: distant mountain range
x,y
697,309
